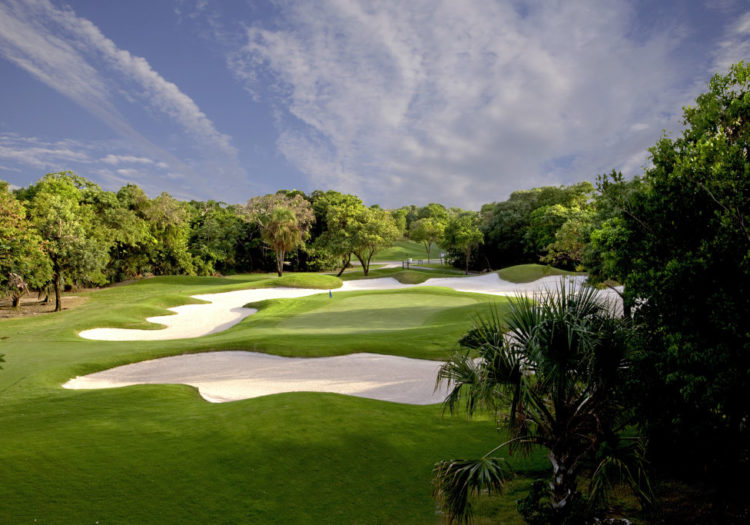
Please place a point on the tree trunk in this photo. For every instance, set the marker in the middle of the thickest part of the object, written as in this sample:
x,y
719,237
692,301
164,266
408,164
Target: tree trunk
x,y
563,485
280,262
468,253
16,300
344,264
58,295
365,267
429,249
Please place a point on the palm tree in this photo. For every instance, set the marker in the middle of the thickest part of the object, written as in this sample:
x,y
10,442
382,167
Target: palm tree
x,y
558,366
282,233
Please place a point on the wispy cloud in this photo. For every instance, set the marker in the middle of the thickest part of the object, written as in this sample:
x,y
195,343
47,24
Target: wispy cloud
x,y
736,44
30,151
72,56
31,157
463,101
126,159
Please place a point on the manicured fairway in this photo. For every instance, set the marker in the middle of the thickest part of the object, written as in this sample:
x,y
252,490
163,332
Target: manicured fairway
x,y
161,454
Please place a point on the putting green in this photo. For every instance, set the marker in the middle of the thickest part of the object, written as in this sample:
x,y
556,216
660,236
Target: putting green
x,y
374,313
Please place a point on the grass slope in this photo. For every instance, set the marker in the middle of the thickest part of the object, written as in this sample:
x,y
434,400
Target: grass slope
x,y
411,276
402,250
526,273
160,454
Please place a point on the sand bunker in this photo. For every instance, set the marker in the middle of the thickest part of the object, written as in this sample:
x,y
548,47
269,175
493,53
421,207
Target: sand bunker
x,y
227,309
231,376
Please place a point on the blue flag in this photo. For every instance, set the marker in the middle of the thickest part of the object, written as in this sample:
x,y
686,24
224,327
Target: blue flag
x,y
330,294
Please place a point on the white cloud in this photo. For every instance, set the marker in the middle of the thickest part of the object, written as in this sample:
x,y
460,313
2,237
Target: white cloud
x,y
30,151
126,159
462,102
72,56
28,158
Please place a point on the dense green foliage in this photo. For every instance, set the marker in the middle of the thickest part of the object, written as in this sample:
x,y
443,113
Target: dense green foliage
x,y
462,236
681,247
523,228
23,263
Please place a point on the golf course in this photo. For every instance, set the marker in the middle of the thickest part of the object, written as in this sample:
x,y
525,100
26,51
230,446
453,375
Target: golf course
x,y
162,454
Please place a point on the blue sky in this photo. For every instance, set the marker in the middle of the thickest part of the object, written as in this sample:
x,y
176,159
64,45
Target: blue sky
x,y
454,101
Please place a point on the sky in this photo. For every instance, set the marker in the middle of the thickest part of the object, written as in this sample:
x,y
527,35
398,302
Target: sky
x,y
460,102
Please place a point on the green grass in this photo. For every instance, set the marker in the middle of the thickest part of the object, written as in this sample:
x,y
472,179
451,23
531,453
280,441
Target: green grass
x,y
526,273
308,280
411,276
402,250
161,454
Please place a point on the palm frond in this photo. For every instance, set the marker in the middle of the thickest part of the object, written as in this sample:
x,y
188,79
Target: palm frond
x,y
625,463
465,381
455,480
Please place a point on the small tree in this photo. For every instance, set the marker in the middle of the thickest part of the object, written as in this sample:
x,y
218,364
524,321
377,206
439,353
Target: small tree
x,y
339,213
428,231
462,234
559,368
373,230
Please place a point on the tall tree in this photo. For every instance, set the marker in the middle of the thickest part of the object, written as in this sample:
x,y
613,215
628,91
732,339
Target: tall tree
x,y
429,231
169,222
462,234
284,222
23,262
215,232
339,214
78,252
559,368
372,230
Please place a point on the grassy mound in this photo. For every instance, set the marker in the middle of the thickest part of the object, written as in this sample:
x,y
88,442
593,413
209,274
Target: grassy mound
x,y
526,273
402,250
308,280
410,276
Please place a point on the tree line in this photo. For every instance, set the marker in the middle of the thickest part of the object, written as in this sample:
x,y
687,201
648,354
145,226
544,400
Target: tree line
x,y
65,230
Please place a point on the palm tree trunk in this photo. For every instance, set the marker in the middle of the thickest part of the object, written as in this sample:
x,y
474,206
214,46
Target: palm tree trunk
x,y
563,485
280,262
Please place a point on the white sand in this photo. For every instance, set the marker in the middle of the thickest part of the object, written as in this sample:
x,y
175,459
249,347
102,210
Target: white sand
x,y
231,376
226,309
